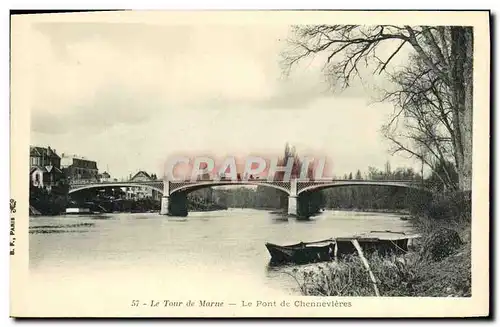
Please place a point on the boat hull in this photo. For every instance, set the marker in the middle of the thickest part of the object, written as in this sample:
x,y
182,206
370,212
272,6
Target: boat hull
x,y
300,253
336,249
77,211
369,246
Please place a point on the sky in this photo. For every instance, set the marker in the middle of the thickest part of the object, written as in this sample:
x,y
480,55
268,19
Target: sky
x,y
130,96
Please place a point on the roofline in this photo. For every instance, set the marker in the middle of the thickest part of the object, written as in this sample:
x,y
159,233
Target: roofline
x,y
141,171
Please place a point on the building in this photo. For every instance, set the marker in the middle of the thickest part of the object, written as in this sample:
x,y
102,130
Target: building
x,y
45,167
79,169
105,177
142,192
44,157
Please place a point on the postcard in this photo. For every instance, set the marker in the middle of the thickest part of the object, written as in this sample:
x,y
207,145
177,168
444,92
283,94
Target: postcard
x,y
250,164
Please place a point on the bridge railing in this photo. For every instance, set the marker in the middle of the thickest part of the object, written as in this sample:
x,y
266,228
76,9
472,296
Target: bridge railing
x,y
298,179
83,182
263,180
369,180
111,182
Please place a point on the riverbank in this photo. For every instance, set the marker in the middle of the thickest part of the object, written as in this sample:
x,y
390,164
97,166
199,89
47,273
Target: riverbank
x,y
438,265
203,207
393,211
412,274
48,207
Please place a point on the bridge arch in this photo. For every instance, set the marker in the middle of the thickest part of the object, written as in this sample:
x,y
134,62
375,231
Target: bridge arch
x,y
101,186
188,188
319,187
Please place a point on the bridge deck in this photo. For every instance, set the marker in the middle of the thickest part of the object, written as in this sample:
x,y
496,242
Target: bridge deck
x,y
292,187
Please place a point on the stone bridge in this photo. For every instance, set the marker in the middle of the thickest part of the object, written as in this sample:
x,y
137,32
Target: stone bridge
x,y
174,199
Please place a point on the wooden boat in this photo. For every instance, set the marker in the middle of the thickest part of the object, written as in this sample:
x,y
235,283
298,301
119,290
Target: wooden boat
x,y
338,248
302,252
77,211
345,247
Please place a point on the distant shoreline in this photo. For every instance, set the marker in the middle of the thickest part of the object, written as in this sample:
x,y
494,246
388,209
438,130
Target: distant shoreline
x,y
396,211
272,210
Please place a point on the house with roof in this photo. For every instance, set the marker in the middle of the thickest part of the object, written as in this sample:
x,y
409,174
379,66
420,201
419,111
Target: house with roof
x,y
42,157
142,192
105,177
45,167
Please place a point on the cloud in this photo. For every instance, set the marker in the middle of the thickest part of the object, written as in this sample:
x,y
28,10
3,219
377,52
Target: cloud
x,y
110,106
98,75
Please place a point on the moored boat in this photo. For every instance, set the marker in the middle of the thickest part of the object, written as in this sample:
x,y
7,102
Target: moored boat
x,y
77,211
88,208
345,246
337,248
302,252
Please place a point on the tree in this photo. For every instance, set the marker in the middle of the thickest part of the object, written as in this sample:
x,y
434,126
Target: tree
x,y
358,175
51,202
422,126
388,169
310,203
445,52
443,171
350,175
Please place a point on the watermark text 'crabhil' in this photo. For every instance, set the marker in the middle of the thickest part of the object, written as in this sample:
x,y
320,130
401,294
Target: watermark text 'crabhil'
x,y
270,169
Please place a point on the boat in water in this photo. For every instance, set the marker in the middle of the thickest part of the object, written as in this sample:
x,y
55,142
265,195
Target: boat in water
x,y
384,243
302,252
87,208
77,211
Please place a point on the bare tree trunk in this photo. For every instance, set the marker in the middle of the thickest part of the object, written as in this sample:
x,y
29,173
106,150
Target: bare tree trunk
x,y
462,89
466,181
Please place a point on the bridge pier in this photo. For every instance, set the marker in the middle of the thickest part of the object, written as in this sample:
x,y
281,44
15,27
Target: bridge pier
x,y
165,202
178,205
293,205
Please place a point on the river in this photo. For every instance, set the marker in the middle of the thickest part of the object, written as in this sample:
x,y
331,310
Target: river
x,y
206,252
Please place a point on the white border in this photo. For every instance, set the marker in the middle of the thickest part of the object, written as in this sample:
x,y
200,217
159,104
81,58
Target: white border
x,y
180,4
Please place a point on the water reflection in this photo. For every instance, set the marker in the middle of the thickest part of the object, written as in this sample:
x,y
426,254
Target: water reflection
x,y
56,231
63,226
101,217
60,228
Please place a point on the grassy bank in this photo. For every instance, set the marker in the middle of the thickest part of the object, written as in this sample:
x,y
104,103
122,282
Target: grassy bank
x,y
438,265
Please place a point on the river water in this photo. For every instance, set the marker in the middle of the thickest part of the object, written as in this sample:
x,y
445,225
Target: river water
x,y
219,251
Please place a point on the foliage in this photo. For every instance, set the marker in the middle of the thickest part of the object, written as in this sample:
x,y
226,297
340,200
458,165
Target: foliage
x,y
443,209
375,197
440,244
203,203
404,276
260,197
410,275
444,177
49,202
128,205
